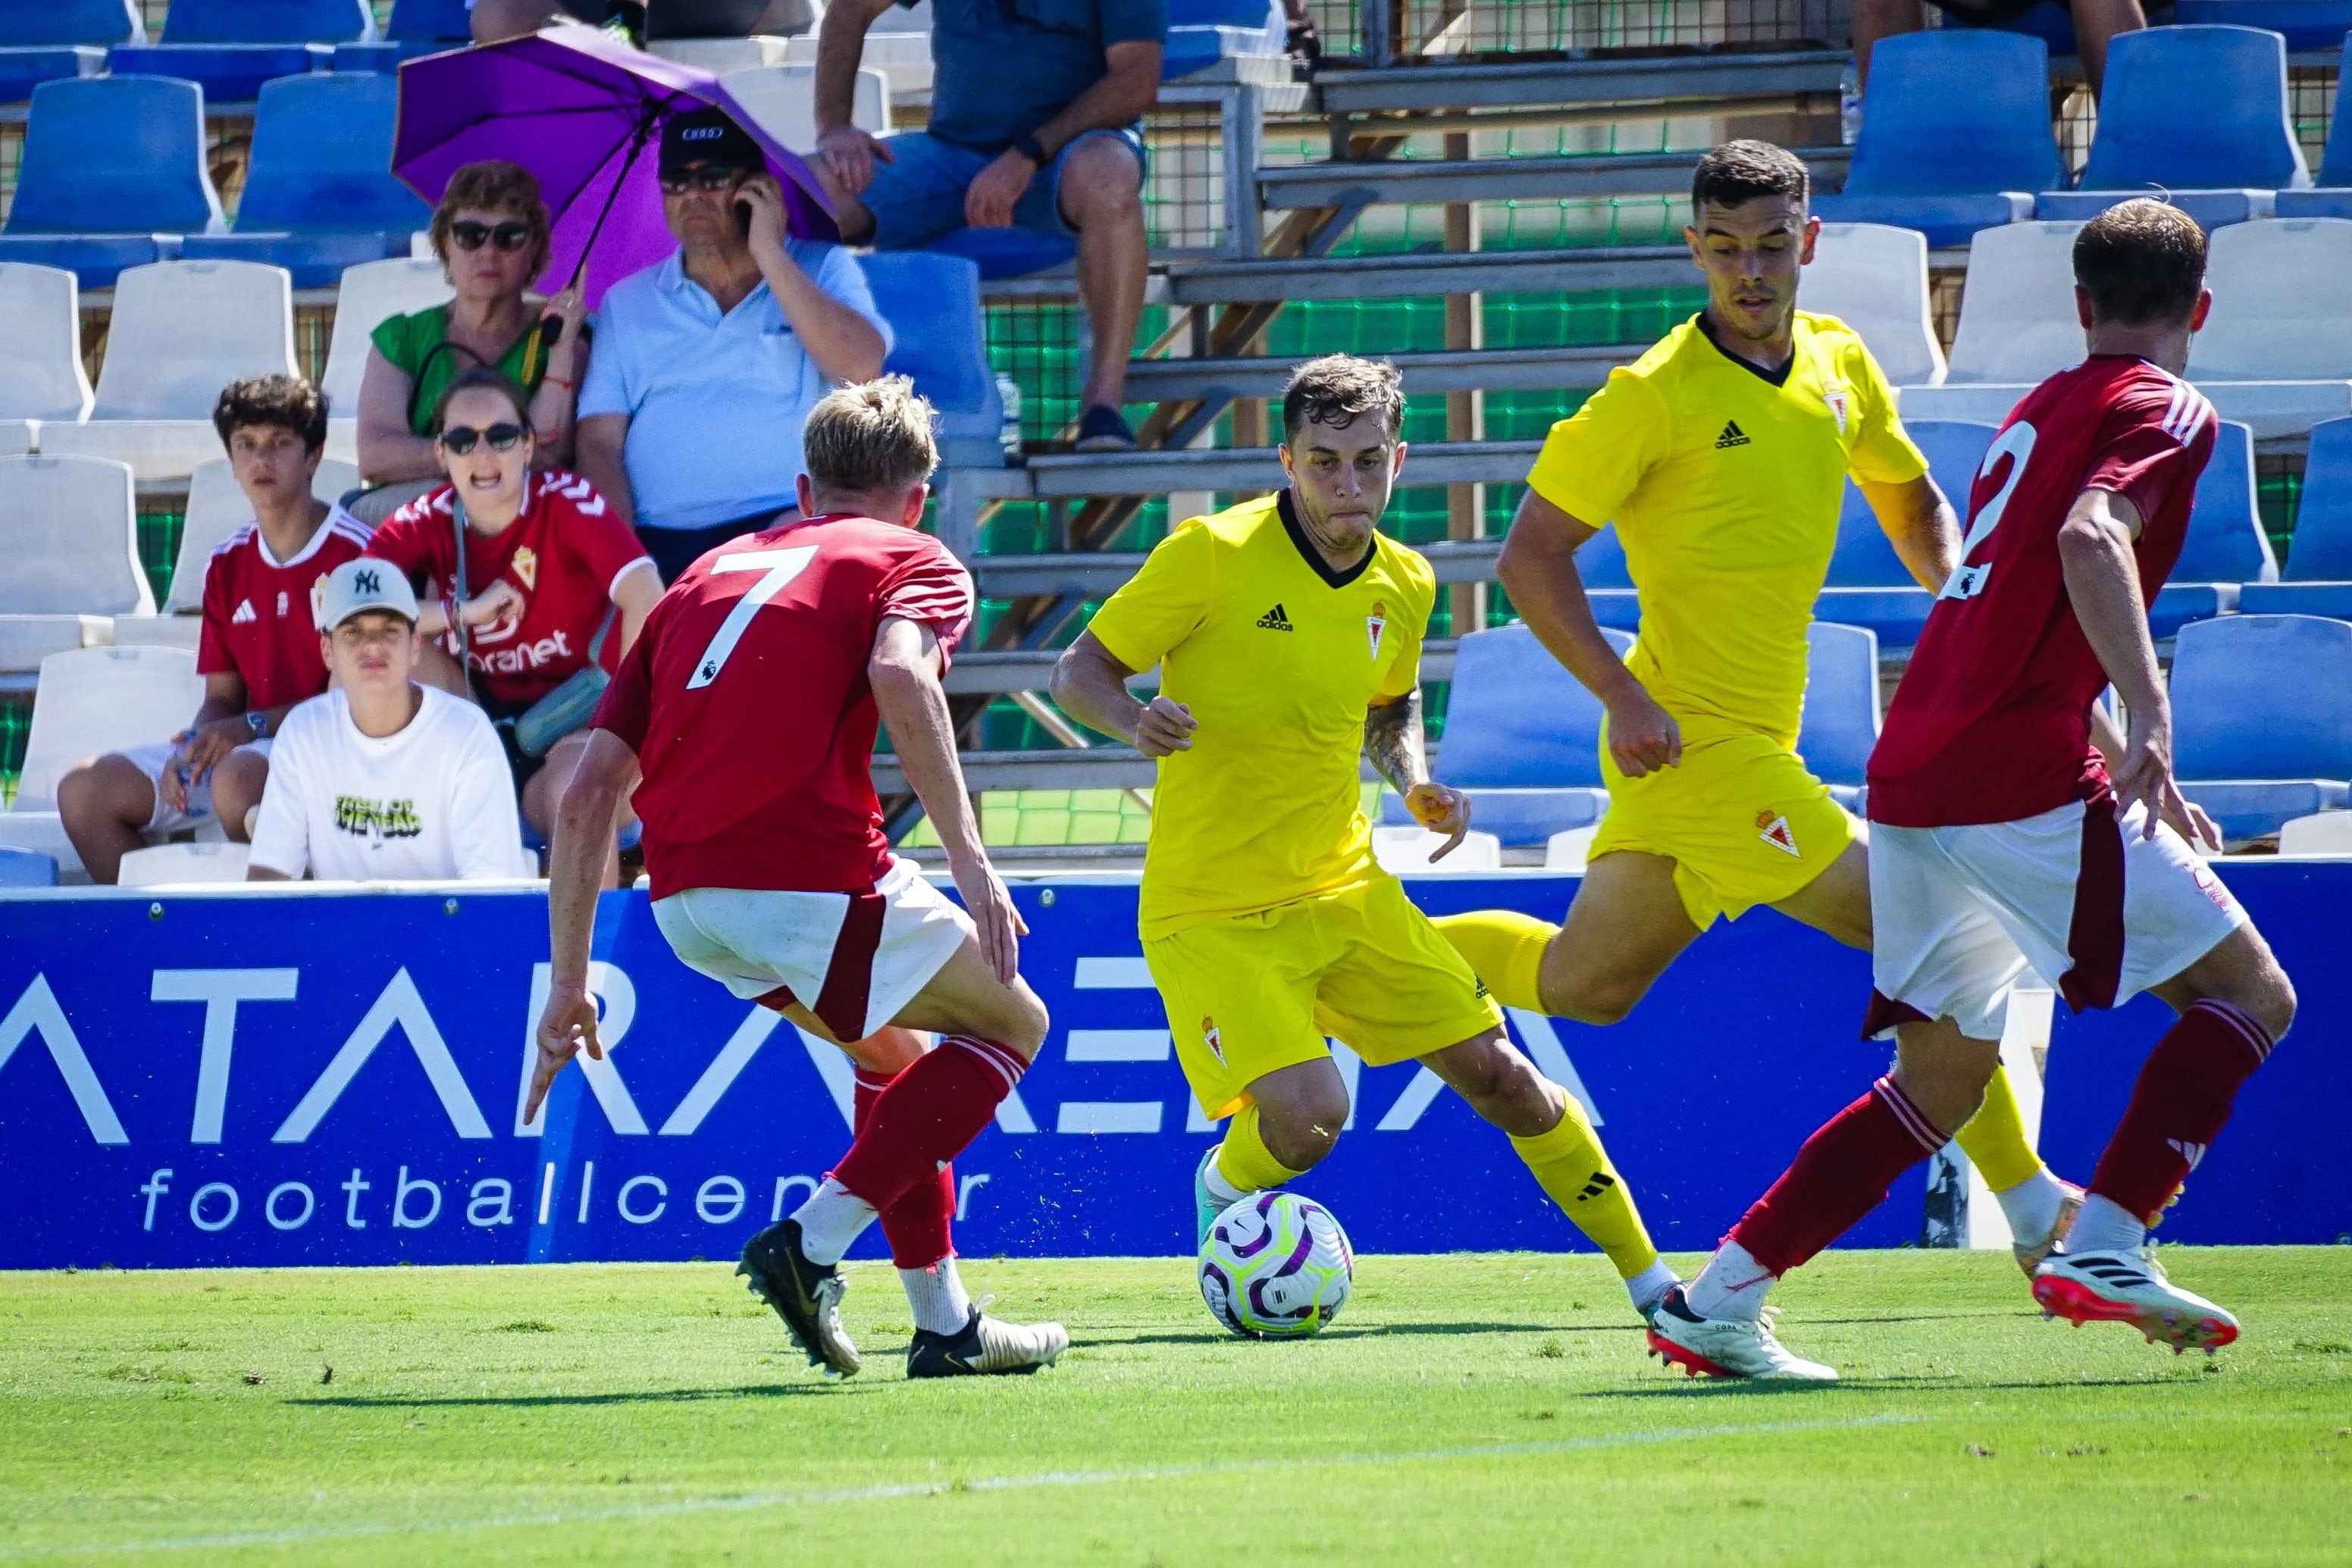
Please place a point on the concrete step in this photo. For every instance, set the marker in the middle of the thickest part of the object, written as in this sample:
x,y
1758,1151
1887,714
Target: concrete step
x,y
1568,269
1594,176
1442,371
1694,79
1245,468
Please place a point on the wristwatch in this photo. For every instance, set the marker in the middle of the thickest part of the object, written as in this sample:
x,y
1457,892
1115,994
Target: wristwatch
x,y
259,724
1029,147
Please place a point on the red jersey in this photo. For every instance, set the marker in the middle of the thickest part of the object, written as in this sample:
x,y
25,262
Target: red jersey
x,y
746,701
259,623
565,552
1992,721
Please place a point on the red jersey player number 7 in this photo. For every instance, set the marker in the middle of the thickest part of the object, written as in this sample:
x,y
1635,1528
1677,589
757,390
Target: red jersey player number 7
x,y
744,719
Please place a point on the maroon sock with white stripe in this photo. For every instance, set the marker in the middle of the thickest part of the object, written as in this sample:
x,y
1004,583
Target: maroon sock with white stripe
x,y
929,1115
2179,1106
918,1226
1842,1174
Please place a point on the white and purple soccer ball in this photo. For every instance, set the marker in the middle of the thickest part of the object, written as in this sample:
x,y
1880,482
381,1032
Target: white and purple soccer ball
x,y
1276,1266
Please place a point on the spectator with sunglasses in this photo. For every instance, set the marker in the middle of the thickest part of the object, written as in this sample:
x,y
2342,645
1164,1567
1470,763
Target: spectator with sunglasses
x,y
549,581
491,233
708,364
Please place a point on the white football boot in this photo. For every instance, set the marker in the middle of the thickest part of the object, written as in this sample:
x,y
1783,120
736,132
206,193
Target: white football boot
x,y
2031,1255
1726,1347
2130,1287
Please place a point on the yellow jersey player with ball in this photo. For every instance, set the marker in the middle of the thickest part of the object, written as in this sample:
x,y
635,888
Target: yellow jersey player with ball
x,y
1289,634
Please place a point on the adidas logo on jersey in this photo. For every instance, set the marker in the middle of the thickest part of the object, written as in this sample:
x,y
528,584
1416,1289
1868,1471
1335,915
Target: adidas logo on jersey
x,y
1732,435
1273,620
245,615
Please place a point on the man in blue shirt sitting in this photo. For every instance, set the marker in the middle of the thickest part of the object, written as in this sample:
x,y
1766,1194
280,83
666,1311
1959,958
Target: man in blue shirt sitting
x,y
1036,110
705,364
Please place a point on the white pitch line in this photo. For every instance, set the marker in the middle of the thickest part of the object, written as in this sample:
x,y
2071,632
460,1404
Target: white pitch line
x,y
1036,1481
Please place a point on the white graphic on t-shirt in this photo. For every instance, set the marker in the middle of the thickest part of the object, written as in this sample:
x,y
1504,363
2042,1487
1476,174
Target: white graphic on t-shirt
x,y
245,615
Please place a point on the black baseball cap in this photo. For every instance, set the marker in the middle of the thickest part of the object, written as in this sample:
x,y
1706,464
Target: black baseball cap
x,y
708,136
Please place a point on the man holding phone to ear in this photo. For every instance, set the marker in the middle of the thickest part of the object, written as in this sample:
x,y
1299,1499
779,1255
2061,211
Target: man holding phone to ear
x,y
741,329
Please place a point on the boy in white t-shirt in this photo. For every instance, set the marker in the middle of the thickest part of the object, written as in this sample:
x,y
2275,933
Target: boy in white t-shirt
x,y
382,778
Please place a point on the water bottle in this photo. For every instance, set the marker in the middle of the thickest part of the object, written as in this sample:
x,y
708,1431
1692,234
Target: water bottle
x,y
1008,433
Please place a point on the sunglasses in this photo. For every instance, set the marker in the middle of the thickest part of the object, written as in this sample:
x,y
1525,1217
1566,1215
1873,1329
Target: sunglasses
x,y
705,180
510,237
459,439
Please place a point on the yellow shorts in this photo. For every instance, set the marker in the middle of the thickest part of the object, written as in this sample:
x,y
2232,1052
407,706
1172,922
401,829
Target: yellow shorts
x,y
1741,819
1253,993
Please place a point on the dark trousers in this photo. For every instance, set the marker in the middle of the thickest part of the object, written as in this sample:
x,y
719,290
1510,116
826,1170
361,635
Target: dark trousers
x,y
674,549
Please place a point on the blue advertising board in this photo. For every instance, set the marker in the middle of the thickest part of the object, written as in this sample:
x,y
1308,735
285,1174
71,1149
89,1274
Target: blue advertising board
x,y
258,1077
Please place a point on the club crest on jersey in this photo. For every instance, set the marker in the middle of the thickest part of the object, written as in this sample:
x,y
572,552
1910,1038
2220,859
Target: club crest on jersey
x,y
1839,405
526,561
1772,827
1209,1037
1377,622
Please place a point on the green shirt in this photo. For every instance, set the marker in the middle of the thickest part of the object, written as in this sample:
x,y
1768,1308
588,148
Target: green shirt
x,y
408,343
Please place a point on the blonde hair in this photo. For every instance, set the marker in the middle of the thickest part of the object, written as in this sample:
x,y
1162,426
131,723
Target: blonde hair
x,y
494,185
871,438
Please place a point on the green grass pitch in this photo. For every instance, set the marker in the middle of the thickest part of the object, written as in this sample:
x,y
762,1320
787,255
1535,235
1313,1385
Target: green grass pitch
x,y
1475,1409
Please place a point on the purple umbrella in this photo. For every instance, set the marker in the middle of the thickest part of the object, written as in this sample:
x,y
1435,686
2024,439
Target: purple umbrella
x,y
583,113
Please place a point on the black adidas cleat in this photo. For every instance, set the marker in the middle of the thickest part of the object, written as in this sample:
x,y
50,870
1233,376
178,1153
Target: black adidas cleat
x,y
807,1295
985,1346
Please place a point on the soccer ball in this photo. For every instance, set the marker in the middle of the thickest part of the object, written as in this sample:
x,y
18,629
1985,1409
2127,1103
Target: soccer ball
x,y
1276,1266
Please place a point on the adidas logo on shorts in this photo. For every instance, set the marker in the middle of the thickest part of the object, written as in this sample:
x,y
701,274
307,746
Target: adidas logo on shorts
x,y
1273,620
1732,435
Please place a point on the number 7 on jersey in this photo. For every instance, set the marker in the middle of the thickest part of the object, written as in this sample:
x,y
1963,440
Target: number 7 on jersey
x,y
782,566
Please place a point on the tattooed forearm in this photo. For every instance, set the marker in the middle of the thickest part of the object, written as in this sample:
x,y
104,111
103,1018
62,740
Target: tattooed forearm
x,y
1393,742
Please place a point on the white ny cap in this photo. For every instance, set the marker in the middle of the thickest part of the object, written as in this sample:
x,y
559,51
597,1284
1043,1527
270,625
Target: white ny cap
x,y
365,583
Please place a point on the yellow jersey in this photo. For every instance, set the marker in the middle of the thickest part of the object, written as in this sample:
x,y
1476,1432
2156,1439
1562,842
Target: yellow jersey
x,y
1278,656
1724,484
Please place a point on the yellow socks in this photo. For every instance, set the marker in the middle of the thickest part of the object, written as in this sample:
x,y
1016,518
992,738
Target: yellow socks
x,y
1569,1164
1505,949
1244,1159
1994,1139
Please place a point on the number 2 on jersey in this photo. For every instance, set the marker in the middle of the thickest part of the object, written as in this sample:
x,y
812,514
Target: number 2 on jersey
x,y
2016,442
782,566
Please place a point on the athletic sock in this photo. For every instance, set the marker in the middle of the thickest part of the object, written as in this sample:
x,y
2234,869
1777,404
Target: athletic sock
x,y
1244,1162
1732,1285
2179,1106
1842,1174
1649,1286
832,1218
1219,1186
929,1115
2104,1226
1994,1138
2034,1205
1569,1164
920,1225
1505,949
935,1296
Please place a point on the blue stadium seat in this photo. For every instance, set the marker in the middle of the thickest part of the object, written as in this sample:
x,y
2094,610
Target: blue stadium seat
x,y
2318,575
2304,24
1004,253
1608,583
1841,716
1868,584
932,303
109,163
231,46
429,21
2199,112
319,195
28,868
1955,135
2333,198
45,40
2226,542
1522,736
2262,710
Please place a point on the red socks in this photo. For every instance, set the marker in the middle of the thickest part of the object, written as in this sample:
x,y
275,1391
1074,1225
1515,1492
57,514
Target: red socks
x,y
917,1226
926,1117
2179,1106
1840,1175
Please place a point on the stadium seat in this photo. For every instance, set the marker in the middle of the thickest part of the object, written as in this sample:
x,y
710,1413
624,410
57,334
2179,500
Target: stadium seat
x,y
45,40
1955,135
370,292
2317,578
1522,736
2273,354
2017,324
171,865
902,55
2303,23
782,99
2226,542
1202,34
70,534
217,508
1608,583
90,701
2332,198
230,48
2326,833
1868,584
1875,279
41,374
1004,253
109,163
932,303
417,28
28,868
2261,711
1841,712
181,331
2202,114
1405,850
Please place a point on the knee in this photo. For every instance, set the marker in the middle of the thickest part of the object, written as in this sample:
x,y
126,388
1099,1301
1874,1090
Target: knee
x,y
1602,1003
1027,1023
1300,1129
96,790
237,785
2273,1004
1101,182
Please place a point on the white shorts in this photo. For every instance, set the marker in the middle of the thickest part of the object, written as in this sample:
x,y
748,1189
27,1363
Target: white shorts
x,y
153,759
853,959
2099,912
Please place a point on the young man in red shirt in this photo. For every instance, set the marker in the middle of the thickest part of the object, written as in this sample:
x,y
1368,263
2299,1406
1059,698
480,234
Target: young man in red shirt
x,y
2002,841
745,719
258,652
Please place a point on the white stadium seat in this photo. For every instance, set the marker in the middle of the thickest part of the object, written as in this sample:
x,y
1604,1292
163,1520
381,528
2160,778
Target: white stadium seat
x,y
1405,851
2017,324
1874,277
181,331
2321,833
41,374
92,701
2276,353
169,866
903,57
783,99
372,292
70,535
217,508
